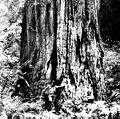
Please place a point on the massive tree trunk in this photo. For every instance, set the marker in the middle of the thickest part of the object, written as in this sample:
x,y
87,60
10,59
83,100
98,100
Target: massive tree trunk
x,y
61,44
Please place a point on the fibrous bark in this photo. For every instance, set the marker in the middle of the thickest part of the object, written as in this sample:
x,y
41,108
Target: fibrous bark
x,y
61,43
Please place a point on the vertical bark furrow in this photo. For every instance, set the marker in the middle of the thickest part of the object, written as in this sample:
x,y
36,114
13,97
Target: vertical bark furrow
x,y
62,37
54,52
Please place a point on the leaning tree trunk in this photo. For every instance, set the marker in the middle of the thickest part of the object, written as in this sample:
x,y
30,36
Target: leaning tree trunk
x,y
61,43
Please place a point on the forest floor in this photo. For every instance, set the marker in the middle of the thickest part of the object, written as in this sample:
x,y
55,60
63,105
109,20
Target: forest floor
x,y
9,106
9,64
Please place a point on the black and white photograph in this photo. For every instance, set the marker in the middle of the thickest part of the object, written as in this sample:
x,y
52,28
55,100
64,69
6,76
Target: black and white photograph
x,y
60,59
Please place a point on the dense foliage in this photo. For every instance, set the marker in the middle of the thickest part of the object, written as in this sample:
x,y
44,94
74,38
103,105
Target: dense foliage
x,y
10,67
110,22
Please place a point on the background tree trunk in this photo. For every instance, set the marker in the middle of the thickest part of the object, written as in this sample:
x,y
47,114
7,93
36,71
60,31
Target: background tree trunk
x,y
61,43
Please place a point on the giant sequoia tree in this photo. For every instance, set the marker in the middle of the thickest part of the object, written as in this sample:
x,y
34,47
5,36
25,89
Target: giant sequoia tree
x,y
61,44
